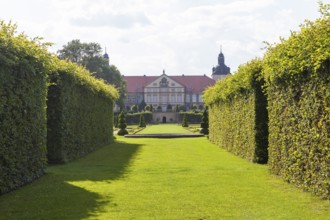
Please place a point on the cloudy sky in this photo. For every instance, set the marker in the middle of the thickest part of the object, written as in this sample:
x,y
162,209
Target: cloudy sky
x,y
147,36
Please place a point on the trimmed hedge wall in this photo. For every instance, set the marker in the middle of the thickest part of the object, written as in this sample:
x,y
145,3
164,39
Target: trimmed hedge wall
x,y
79,113
238,114
297,72
134,118
23,74
192,117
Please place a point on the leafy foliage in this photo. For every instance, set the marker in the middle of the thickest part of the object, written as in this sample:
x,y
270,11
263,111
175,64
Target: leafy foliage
x,y
112,76
134,108
238,114
297,73
90,56
24,67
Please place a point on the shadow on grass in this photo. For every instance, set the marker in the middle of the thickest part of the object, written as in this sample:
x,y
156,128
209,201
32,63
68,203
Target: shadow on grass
x,y
56,196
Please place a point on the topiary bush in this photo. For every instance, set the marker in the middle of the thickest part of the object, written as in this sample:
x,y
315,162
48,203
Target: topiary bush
x,y
142,123
122,124
184,121
205,122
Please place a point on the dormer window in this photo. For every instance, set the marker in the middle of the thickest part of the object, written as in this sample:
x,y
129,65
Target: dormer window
x,y
163,82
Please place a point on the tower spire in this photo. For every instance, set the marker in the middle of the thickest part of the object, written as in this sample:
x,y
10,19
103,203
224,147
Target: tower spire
x,y
220,48
106,55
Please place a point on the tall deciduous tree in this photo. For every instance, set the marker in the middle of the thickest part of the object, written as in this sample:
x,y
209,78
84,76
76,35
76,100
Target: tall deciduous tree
x,y
90,56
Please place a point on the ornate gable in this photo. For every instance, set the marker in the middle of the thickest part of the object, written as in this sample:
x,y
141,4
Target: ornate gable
x,y
164,81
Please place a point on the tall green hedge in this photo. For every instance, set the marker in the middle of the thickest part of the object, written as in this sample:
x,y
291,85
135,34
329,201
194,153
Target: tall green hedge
x,y
297,73
24,65
238,114
79,113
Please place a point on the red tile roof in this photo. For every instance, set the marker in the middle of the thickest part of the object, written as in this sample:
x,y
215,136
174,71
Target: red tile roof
x,y
196,84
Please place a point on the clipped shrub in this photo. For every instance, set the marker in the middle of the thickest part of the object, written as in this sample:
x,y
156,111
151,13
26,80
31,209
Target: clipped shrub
x,y
142,123
238,114
184,121
24,65
79,113
122,124
205,122
297,73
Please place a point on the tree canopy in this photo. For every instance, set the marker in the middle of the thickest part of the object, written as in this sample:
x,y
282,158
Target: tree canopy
x,y
89,55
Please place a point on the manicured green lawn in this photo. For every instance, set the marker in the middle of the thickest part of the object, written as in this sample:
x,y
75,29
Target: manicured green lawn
x,y
164,129
161,179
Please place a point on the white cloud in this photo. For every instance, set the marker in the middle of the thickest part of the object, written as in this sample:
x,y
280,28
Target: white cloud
x,y
115,20
147,36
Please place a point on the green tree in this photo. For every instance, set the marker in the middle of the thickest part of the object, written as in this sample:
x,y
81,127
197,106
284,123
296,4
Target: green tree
x,y
90,56
111,75
73,51
182,108
205,122
193,107
134,108
184,121
147,108
122,124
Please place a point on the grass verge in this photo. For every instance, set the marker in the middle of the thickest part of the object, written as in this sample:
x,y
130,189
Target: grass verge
x,y
161,179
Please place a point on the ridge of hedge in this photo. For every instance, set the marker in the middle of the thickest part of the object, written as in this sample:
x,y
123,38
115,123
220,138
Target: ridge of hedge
x,y
302,54
242,81
82,76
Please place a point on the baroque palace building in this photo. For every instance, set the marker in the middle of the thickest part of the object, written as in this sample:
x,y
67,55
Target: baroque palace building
x,y
164,92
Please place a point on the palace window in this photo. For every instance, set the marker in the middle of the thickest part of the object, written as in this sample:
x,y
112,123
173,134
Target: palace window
x,y
200,98
148,98
164,98
172,98
155,98
179,98
194,98
188,98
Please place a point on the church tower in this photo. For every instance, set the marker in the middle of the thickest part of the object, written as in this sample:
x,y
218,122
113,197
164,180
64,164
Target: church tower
x,y
106,56
221,70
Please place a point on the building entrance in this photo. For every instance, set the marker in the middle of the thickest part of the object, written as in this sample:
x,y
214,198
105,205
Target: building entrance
x,y
164,119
